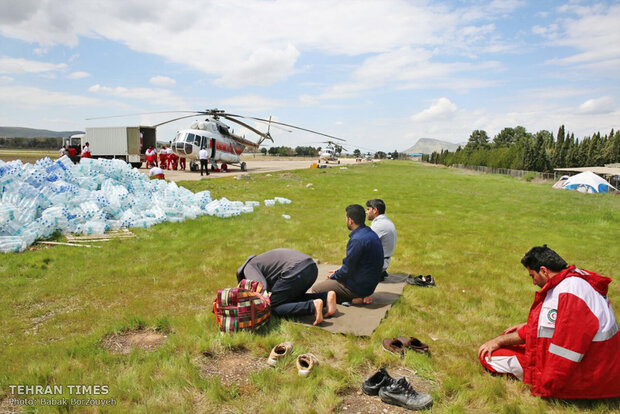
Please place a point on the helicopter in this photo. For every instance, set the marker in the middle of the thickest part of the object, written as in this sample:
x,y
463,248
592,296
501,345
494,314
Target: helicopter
x,y
215,136
330,152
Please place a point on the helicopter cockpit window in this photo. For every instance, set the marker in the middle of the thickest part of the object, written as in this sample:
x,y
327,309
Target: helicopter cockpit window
x,y
190,138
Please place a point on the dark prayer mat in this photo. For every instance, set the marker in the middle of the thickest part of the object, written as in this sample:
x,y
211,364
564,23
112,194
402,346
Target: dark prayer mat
x,y
361,320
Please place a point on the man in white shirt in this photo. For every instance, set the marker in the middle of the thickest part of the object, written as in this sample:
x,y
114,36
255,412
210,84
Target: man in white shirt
x,y
385,229
203,154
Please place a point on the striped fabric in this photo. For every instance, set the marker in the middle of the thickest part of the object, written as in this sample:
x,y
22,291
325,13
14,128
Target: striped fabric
x,y
243,308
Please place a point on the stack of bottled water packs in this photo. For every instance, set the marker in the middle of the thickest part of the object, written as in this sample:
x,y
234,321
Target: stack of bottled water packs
x,y
92,197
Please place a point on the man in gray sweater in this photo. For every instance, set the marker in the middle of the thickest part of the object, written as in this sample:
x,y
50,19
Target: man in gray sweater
x,y
288,274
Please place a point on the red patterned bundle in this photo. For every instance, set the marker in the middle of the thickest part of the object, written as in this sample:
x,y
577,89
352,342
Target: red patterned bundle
x,y
243,308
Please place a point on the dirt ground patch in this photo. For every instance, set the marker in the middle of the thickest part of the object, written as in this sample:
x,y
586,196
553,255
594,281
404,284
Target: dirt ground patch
x,y
123,343
355,401
232,368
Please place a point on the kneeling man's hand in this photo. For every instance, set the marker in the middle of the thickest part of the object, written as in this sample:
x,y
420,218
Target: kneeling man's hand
x,y
487,349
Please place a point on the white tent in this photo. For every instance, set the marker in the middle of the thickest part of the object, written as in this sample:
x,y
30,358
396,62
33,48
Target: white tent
x,y
588,182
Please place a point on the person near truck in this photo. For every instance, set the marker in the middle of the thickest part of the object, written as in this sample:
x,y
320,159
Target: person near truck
x,y
568,348
151,157
86,151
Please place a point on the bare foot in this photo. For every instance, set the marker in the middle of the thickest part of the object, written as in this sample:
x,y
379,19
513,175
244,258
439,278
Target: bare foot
x,y
331,303
362,301
318,311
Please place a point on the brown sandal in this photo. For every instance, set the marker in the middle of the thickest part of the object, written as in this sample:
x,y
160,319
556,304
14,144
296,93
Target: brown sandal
x,y
414,344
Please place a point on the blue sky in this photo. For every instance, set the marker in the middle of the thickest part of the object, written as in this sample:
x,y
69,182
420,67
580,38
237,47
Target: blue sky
x,y
380,74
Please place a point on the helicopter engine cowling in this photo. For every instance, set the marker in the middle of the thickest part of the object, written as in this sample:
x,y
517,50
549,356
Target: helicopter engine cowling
x,y
228,157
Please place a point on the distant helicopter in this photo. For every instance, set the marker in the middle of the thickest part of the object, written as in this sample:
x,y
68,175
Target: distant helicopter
x,y
330,152
217,137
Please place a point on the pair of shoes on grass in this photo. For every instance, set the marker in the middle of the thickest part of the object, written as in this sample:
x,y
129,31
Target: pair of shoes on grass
x,y
305,362
395,391
401,344
420,280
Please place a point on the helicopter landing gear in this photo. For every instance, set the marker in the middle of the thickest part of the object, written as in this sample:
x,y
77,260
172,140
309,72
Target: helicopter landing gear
x,y
193,166
244,167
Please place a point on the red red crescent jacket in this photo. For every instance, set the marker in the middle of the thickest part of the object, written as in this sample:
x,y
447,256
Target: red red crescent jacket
x,y
571,338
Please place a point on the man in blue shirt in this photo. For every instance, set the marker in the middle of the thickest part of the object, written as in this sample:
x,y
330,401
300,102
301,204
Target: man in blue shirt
x,y
361,270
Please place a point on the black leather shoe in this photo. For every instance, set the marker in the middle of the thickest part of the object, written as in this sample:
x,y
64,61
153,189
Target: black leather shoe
x,y
424,281
378,380
400,393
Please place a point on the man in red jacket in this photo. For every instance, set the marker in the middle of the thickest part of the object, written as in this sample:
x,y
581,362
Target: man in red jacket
x,y
568,348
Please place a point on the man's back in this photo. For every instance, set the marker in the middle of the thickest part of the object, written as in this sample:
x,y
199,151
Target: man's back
x,y
361,269
386,231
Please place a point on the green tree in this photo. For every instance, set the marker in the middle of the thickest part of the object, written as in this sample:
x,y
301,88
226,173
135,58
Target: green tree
x,y
477,140
505,138
357,153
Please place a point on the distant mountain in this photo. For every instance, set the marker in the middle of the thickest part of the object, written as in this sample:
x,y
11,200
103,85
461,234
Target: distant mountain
x,y
18,132
430,145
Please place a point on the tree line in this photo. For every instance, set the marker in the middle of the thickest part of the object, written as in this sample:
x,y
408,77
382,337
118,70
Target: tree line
x,y
517,149
32,143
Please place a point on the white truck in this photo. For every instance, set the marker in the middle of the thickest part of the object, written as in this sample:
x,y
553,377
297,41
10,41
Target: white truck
x,y
126,143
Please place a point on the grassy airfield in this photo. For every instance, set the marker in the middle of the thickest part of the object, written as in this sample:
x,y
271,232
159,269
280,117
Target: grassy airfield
x,y
59,304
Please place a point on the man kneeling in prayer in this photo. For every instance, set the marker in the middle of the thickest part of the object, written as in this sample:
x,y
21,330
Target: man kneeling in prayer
x,y
287,274
568,348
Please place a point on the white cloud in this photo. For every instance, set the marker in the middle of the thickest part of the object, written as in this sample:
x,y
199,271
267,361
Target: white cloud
x,y
268,37
162,81
30,96
252,103
602,105
40,51
6,79
18,65
441,109
78,75
162,97
594,33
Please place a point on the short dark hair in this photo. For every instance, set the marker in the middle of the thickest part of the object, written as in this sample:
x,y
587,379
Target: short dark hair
x,y
543,256
356,213
376,203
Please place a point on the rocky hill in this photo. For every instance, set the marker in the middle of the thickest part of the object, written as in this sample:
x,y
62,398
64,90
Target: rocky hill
x,y
430,145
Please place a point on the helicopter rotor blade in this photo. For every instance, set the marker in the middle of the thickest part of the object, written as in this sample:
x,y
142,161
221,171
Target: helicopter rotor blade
x,y
176,119
275,126
256,131
287,125
142,113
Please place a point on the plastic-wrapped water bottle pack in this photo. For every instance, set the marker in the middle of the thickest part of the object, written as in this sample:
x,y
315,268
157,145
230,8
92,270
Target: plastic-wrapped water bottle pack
x,y
92,197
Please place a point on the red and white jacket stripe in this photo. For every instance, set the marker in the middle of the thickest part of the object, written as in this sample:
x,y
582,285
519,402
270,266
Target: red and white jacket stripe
x,y
571,338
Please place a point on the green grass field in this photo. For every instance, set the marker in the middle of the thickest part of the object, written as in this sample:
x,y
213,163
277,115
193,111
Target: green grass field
x,y
468,230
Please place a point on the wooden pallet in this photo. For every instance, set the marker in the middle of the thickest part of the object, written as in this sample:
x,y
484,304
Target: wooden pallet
x,y
111,235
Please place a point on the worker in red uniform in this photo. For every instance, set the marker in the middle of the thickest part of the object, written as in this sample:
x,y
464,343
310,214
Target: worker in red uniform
x,y
86,151
163,157
173,160
182,163
568,348
151,157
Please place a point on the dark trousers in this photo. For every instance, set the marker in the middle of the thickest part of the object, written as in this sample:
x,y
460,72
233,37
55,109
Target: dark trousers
x,y
204,167
289,297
